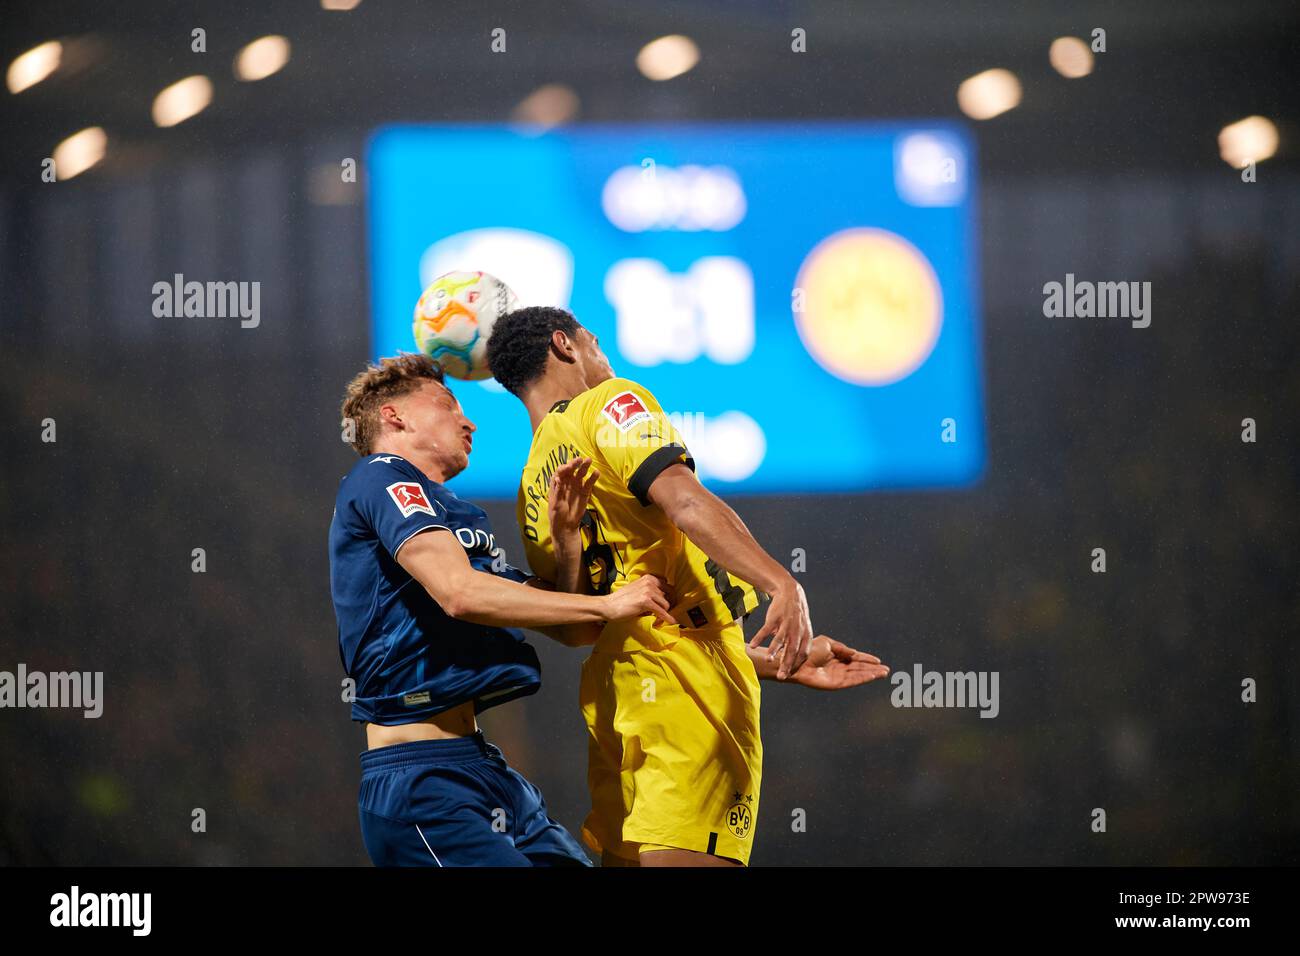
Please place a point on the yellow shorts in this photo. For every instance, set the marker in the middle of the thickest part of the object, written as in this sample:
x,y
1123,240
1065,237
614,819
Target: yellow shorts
x,y
674,753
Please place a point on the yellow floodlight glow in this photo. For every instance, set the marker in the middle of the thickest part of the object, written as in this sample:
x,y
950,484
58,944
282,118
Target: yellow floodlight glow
x,y
989,94
261,58
1251,140
548,106
33,66
181,100
668,57
1070,57
79,152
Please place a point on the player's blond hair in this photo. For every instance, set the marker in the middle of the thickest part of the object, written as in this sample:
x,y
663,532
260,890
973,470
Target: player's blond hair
x,y
376,384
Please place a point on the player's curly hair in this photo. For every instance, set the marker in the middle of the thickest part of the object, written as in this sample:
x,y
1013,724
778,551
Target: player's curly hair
x,y
377,384
520,342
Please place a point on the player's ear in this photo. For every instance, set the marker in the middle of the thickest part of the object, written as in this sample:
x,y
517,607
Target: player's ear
x,y
563,347
390,415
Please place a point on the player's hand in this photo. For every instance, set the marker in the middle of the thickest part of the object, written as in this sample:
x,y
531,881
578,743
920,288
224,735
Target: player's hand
x,y
639,597
832,665
789,627
570,491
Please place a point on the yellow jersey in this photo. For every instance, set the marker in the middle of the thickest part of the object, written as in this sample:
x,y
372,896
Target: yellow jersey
x,y
619,425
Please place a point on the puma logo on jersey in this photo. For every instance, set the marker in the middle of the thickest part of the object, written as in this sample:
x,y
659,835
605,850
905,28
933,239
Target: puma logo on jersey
x,y
625,410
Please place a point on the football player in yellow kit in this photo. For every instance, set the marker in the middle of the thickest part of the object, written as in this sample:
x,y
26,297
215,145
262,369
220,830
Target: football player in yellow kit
x,y
672,711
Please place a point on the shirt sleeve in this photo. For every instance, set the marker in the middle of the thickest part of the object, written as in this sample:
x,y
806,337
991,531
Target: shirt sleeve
x,y
397,501
635,438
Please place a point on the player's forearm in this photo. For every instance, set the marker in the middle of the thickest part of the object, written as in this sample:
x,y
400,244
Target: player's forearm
x,y
765,666
569,574
570,635
487,599
718,531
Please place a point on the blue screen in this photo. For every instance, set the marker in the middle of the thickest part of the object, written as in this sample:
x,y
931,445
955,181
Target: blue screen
x,y
801,298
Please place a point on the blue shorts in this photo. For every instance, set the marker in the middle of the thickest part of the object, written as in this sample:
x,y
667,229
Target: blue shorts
x,y
456,802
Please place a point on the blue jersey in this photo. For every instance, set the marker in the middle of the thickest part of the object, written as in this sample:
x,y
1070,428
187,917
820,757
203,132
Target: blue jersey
x,y
408,658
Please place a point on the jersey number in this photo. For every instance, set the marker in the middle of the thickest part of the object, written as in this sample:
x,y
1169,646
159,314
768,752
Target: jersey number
x,y
732,595
597,556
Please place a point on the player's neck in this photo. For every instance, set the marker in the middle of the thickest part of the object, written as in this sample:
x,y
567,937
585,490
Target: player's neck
x,y
541,398
426,463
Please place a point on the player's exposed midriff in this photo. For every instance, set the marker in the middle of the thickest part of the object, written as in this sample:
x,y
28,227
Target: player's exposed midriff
x,y
457,722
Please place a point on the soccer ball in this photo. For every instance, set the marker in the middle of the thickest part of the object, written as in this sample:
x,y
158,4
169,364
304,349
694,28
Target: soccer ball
x,y
454,318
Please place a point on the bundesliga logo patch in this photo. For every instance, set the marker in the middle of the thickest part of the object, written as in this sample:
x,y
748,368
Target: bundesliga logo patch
x,y
409,498
625,410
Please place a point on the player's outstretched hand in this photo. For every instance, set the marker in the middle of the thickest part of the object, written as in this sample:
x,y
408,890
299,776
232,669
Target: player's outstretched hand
x,y
832,665
570,490
790,628
639,597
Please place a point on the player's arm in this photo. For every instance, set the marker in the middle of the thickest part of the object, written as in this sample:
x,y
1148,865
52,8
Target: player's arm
x,y
831,665
570,635
718,531
437,561
566,505
567,499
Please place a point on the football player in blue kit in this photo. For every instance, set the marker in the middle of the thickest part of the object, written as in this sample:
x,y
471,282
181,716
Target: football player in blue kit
x,y
426,610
